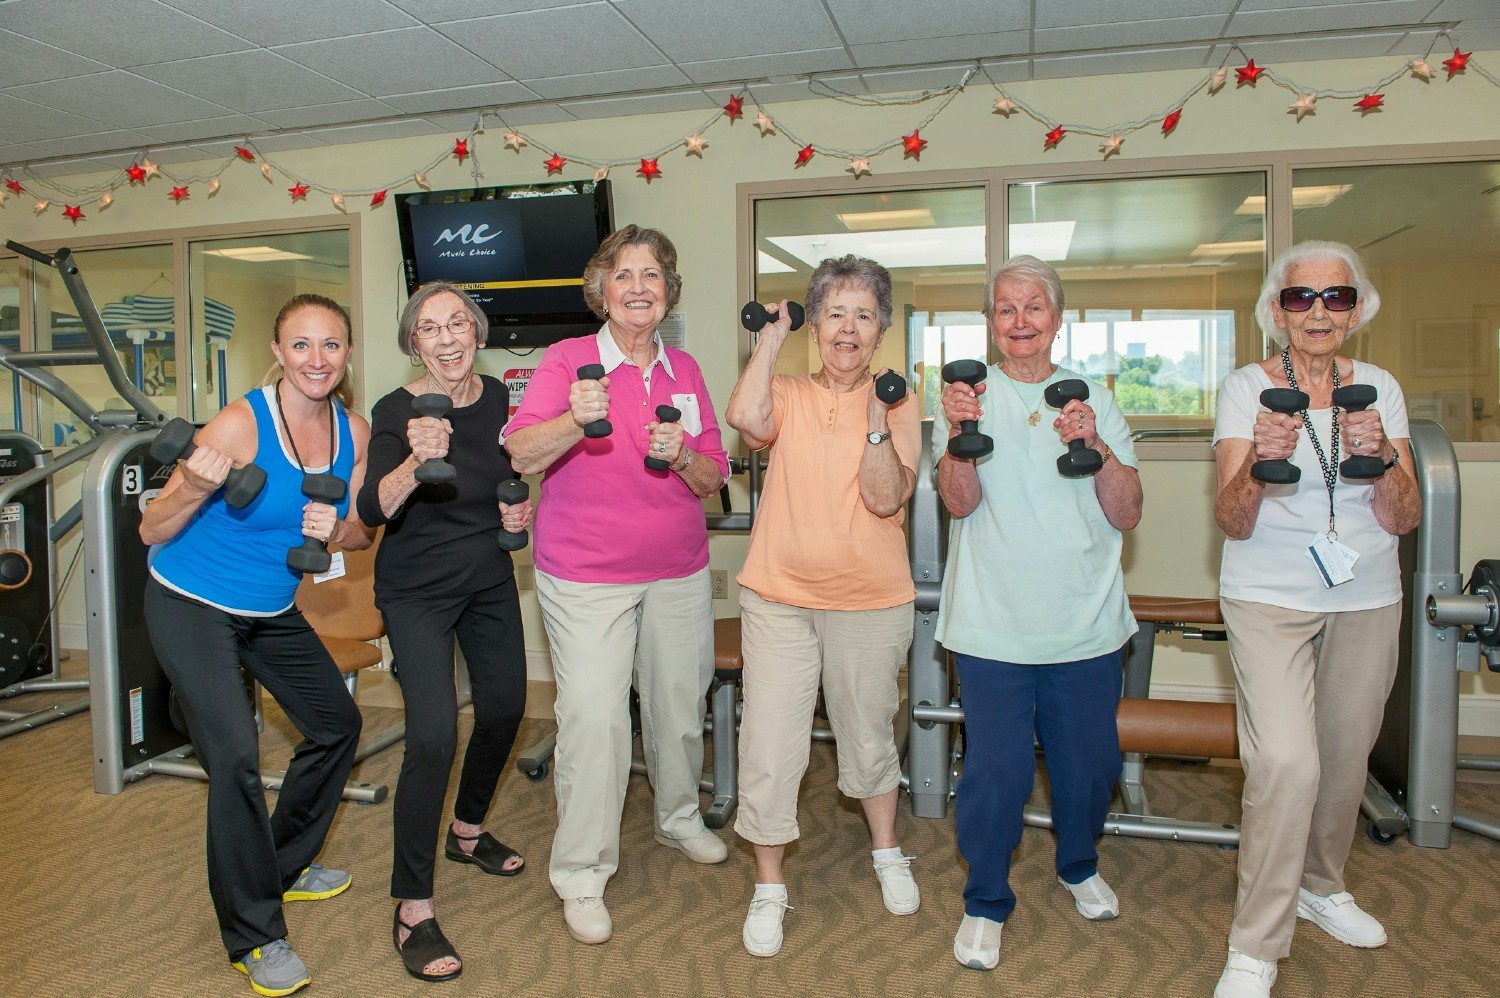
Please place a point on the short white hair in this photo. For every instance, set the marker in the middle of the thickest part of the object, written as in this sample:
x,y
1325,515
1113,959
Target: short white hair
x,y
1028,270
1314,251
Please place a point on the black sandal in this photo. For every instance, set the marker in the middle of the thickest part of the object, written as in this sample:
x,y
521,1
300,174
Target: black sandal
x,y
424,944
490,854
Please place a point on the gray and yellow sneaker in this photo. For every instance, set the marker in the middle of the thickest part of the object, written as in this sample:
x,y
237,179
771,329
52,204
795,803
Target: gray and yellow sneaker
x,y
316,883
274,970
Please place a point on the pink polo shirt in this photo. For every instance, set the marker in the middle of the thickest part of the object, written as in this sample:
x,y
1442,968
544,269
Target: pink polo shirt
x,y
603,517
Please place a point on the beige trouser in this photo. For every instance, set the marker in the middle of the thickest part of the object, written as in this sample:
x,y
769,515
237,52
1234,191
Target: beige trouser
x,y
1310,690
788,650
604,636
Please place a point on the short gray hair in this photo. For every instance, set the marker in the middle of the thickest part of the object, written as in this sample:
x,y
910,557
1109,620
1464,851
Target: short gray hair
x,y
607,257
845,271
420,297
1030,270
1314,251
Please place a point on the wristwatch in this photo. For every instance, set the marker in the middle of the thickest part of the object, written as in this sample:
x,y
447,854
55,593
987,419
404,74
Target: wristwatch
x,y
876,437
1395,456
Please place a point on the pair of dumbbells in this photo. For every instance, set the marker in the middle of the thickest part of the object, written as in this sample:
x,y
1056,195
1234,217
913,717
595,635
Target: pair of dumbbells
x,y
437,471
1079,461
602,427
1289,402
889,387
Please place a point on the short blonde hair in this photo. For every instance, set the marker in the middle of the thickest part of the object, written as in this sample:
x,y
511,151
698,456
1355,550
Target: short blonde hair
x,y
603,262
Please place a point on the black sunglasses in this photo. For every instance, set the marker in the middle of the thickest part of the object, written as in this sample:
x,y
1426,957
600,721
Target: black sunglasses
x,y
1338,298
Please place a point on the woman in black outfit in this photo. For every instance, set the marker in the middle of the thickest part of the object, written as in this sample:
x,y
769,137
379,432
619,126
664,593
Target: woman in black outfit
x,y
439,574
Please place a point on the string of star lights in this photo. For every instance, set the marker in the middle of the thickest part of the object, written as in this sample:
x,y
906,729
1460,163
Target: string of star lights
x,y
143,174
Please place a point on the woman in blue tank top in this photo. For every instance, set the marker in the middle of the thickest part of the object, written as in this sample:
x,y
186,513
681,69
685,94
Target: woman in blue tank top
x,y
220,599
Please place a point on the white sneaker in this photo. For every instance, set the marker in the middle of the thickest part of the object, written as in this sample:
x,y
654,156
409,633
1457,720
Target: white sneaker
x,y
588,920
702,846
762,932
898,889
1093,898
1245,977
1341,918
977,944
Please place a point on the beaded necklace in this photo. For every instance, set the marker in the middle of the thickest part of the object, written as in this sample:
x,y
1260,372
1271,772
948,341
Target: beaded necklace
x,y
1328,464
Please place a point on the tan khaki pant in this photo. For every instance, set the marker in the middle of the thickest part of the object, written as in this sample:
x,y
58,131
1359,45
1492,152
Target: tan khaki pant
x,y
660,635
788,651
1310,690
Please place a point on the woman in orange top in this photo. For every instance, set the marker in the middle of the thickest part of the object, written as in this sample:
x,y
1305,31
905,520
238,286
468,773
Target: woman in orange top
x,y
827,596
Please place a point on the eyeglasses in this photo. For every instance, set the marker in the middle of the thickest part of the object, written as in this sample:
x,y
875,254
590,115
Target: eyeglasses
x,y
1337,298
459,325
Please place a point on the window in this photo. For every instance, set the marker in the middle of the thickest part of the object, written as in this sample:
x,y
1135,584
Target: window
x,y
1429,235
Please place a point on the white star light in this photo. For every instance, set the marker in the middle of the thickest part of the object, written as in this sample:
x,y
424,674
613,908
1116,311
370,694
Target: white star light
x,y
1303,106
765,124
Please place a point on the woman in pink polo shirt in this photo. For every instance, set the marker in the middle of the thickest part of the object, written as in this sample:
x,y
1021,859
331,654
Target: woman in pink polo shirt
x,y
827,596
622,566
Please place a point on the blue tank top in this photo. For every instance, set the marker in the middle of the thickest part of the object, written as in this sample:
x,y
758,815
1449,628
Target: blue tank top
x,y
235,559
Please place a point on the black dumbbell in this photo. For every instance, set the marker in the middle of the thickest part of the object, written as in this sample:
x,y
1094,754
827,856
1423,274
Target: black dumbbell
x,y
512,493
434,470
1079,460
969,443
600,427
313,555
664,414
890,388
754,315
1288,401
1358,398
175,443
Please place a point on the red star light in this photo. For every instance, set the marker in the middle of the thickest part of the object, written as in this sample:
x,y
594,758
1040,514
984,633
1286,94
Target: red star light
x,y
804,155
1369,102
136,173
461,149
244,154
178,193
1170,121
1457,63
735,108
1054,137
1248,73
913,144
377,199
73,213
555,164
14,185
298,192
649,169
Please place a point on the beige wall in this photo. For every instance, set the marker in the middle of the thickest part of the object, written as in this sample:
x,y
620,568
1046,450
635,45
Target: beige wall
x,y
1175,550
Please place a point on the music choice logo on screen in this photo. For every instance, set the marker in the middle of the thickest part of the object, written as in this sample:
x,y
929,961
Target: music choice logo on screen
x,y
473,243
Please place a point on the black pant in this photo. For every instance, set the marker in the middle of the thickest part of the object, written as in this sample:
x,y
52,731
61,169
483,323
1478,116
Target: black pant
x,y
421,632
254,857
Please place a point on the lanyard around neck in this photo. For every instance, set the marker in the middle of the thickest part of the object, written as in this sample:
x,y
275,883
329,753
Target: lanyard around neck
x,y
1329,464
332,434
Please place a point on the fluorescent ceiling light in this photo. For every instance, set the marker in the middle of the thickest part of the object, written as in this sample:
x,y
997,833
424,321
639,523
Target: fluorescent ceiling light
x,y
961,245
1311,196
1229,249
765,263
904,218
257,254
1043,240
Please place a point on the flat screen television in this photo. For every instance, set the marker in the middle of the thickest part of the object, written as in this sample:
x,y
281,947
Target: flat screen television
x,y
519,252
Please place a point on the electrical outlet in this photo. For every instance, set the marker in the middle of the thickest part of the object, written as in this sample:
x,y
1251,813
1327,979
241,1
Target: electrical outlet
x,y
721,583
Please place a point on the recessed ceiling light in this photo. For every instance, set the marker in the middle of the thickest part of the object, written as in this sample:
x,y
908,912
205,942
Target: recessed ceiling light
x,y
1240,248
1311,196
902,218
256,254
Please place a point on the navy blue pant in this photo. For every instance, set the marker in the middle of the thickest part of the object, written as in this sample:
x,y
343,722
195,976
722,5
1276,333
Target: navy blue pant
x,y
252,856
421,632
1069,708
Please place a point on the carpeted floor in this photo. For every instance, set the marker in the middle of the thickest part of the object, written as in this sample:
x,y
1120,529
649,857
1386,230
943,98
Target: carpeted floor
x,y
105,896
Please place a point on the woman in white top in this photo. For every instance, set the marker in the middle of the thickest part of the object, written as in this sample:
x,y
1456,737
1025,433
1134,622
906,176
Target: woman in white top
x,y
1311,595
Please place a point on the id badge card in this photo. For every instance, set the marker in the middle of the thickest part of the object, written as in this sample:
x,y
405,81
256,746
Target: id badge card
x,y
335,568
1334,561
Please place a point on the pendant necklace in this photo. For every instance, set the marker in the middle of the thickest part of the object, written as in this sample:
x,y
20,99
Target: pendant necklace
x,y
1035,411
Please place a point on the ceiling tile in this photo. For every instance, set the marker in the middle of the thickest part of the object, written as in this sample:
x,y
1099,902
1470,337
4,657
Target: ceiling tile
x,y
1115,36
337,113
28,61
601,84
437,11
81,144
25,122
618,107
119,98
1057,67
281,22
394,62
699,32
250,81
488,95
1323,48
15,152
121,33
861,22
1453,10
1066,13
376,131
766,67
205,128
962,48
1279,18
543,43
